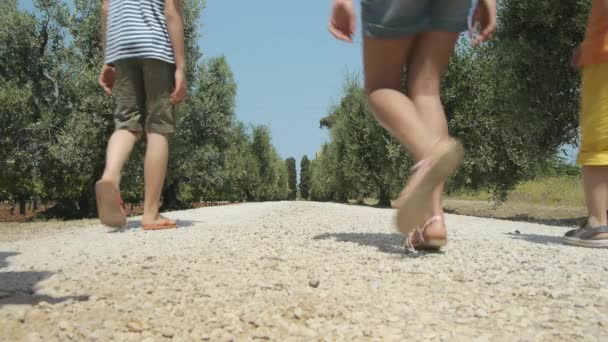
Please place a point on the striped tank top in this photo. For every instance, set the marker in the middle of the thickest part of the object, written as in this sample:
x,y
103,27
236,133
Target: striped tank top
x,y
137,29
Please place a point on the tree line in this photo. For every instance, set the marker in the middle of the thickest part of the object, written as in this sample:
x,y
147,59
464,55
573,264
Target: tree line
x,y
55,120
513,102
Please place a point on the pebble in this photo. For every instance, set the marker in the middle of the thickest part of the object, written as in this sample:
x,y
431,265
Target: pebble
x,y
314,283
298,312
134,326
481,313
64,326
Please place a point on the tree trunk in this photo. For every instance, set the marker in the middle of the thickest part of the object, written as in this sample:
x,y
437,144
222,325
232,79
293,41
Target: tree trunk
x,y
170,198
385,198
22,205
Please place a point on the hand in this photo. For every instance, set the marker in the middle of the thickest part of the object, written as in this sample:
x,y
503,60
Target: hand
x,y
106,78
181,87
485,17
575,62
343,22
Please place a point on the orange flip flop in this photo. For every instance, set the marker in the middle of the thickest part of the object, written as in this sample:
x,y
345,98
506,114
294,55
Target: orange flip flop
x,y
110,208
165,224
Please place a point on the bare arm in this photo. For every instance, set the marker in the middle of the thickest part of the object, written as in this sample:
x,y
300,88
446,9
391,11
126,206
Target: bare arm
x,y
105,7
343,22
106,78
175,26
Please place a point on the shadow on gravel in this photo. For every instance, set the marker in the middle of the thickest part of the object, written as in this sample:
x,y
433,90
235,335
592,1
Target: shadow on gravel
x,y
565,222
387,243
560,222
136,224
17,288
4,256
540,239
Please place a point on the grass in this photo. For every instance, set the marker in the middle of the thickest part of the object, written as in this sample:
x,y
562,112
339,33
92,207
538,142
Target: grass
x,y
553,200
552,191
557,201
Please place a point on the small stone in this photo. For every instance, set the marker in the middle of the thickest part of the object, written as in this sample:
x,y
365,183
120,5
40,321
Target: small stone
x,y
481,313
179,313
44,305
63,325
95,335
227,338
34,337
298,312
109,324
517,232
168,333
314,283
134,326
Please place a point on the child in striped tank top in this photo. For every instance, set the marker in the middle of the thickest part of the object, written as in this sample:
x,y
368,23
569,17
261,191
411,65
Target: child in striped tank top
x,y
144,69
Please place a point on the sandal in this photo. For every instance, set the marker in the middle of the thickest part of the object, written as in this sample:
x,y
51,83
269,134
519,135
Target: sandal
x,y
415,240
427,174
587,237
110,207
572,232
165,224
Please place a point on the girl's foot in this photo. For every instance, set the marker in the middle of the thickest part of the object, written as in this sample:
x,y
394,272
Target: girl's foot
x,y
432,236
443,160
588,236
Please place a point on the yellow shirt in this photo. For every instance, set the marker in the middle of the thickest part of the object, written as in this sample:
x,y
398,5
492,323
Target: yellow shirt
x,y
594,49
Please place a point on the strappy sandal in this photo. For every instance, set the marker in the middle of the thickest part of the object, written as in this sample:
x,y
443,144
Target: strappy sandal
x,y
587,237
427,174
110,207
415,240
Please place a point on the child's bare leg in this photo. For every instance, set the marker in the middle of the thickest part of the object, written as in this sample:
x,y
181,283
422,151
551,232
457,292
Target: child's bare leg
x,y
155,169
383,65
119,148
596,194
428,61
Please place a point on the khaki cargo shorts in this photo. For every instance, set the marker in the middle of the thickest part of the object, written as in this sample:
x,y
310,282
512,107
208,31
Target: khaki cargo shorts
x,y
143,89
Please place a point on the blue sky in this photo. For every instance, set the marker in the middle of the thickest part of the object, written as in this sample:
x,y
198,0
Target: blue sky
x,y
288,68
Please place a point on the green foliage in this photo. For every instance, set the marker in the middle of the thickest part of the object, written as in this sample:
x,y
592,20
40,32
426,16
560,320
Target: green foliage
x,y
292,178
55,120
272,170
305,177
363,158
513,102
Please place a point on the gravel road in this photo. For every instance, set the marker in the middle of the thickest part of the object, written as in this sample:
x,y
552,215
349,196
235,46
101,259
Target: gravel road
x,y
298,271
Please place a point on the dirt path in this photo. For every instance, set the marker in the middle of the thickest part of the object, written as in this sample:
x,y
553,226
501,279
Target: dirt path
x,y
300,271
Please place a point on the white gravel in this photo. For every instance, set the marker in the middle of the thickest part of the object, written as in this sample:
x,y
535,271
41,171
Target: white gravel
x,y
300,271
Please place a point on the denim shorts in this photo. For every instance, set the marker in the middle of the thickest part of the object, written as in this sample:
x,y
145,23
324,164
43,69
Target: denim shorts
x,y
402,18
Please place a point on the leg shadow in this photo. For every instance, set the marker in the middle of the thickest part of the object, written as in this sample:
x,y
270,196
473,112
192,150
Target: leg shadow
x,y
136,224
18,288
538,239
4,256
386,243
